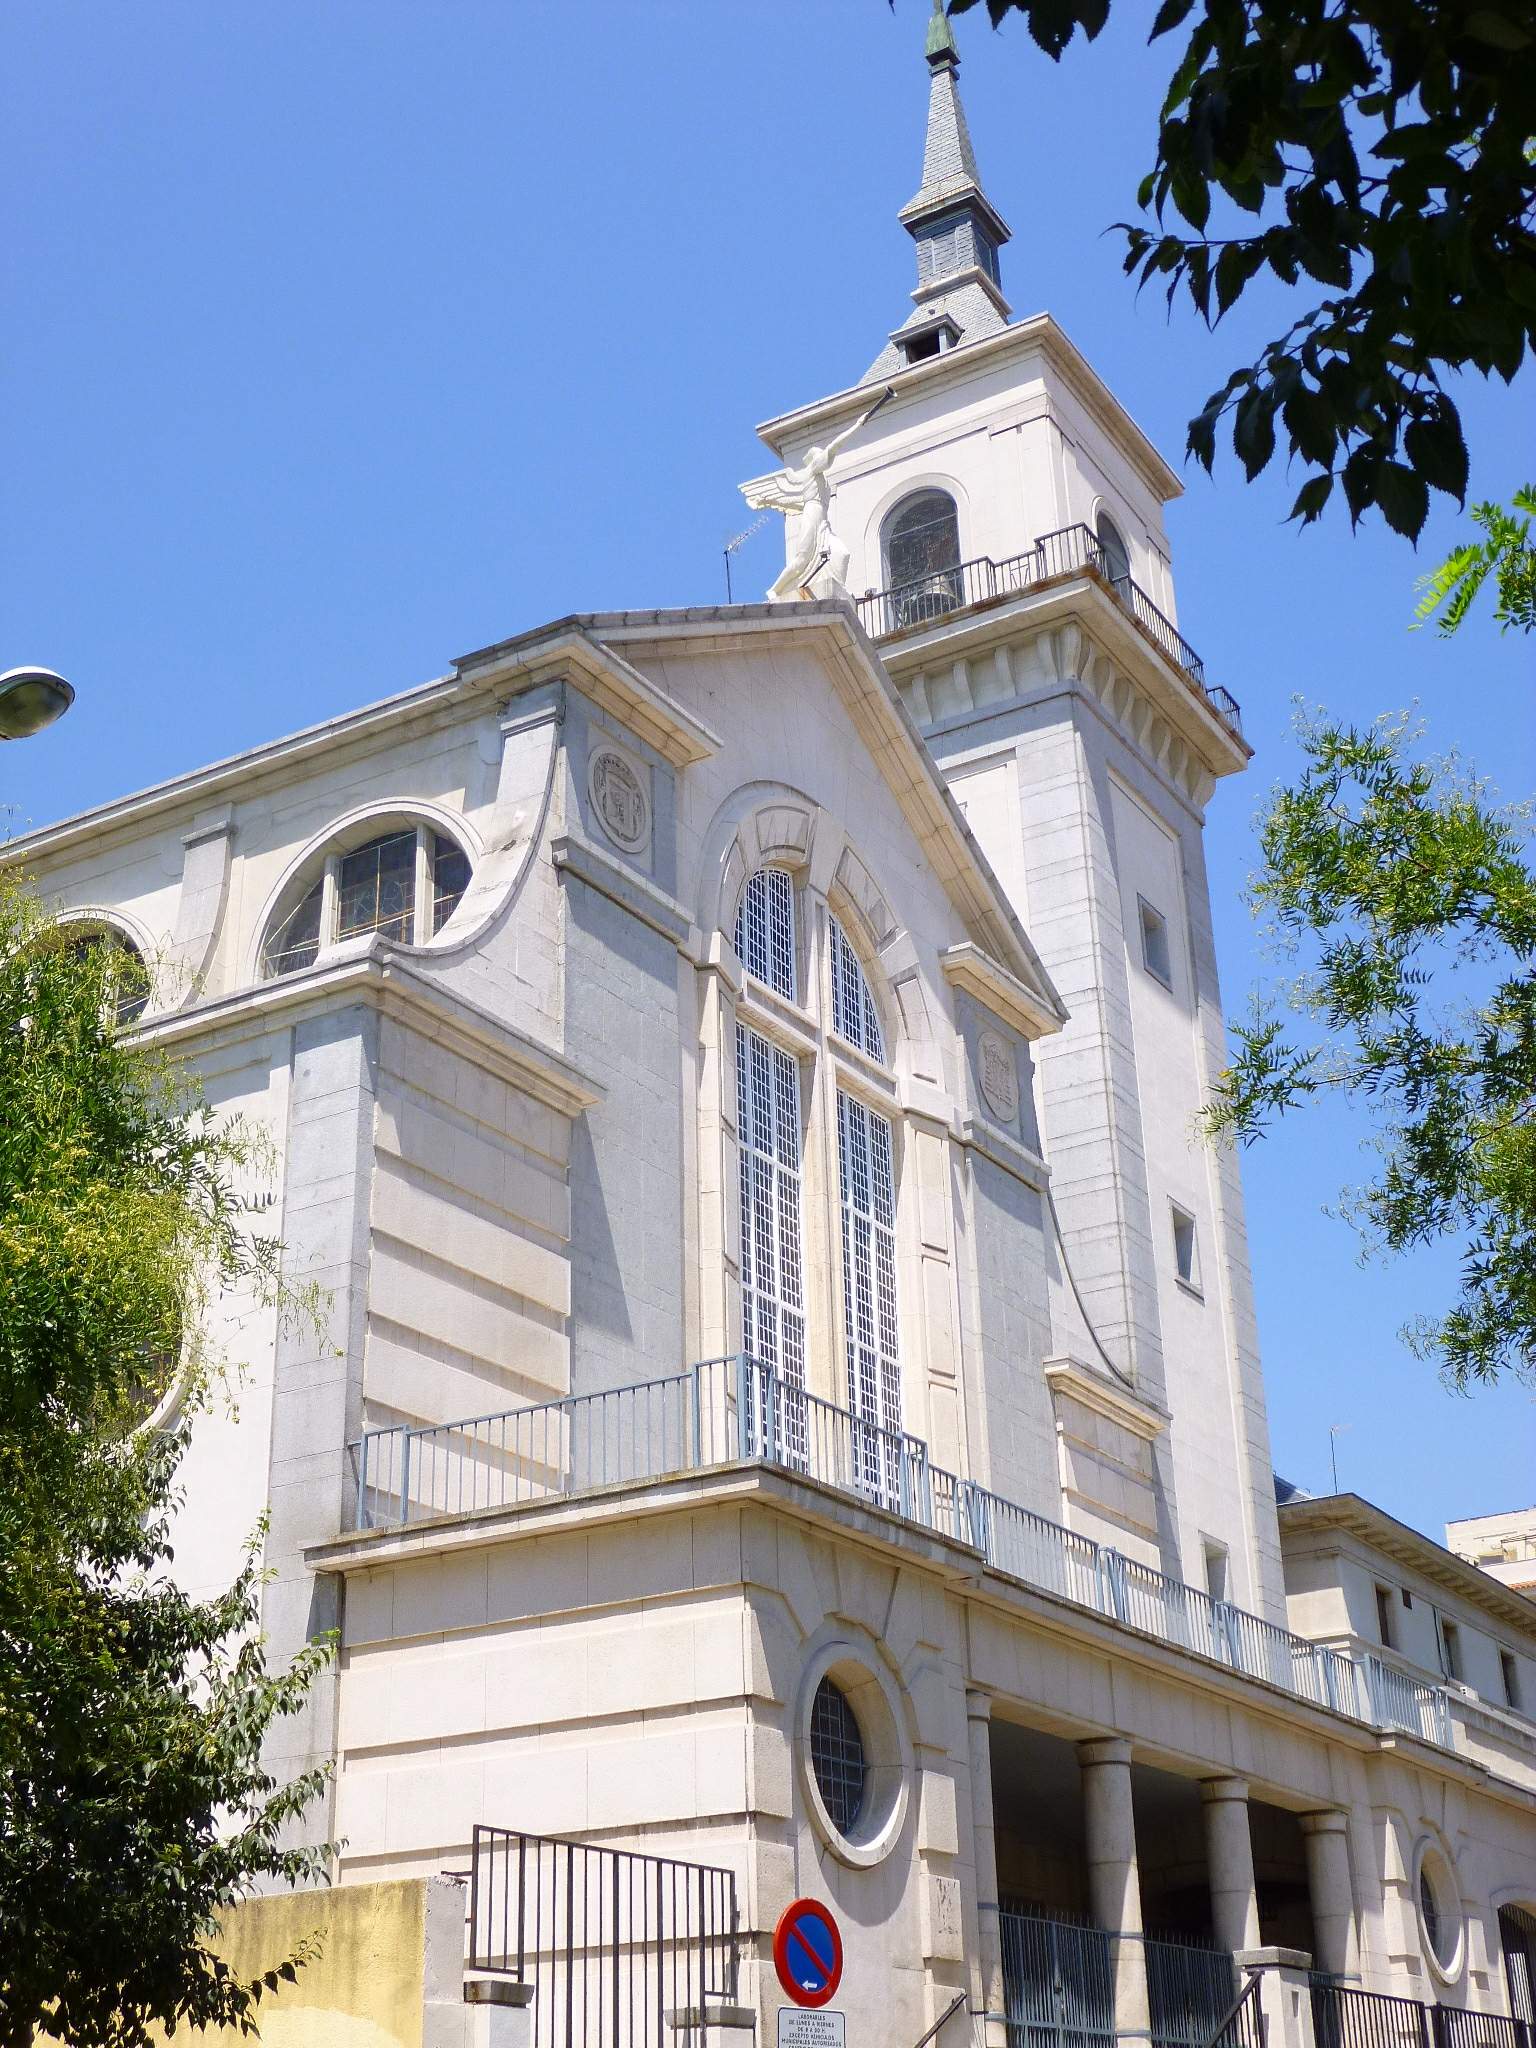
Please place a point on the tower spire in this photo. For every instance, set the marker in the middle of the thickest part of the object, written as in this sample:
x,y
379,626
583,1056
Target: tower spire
x,y
957,229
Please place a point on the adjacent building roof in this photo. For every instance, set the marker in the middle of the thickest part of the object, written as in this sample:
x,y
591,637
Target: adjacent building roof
x,y
1349,1515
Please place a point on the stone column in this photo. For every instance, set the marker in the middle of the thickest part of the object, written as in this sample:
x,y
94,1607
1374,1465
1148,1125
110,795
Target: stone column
x,y
1229,1855
1114,1883
987,1966
1331,1884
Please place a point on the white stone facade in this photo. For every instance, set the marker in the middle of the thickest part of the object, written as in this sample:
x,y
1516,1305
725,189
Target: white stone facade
x,y
1008,1487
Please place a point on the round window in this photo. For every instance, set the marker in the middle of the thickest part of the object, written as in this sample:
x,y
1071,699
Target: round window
x,y
1439,1914
837,1757
853,1759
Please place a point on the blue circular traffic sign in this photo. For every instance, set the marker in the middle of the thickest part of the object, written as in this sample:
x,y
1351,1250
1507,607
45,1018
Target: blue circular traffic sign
x,y
808,1952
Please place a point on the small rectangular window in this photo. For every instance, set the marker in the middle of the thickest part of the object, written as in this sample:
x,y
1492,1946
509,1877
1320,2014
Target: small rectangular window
x,y
1384,1616
1510,1672
1155,954
1186,1249
1407,1597
1450,1647
1215,1569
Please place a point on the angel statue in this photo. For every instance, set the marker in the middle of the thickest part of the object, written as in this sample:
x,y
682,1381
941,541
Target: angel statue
x,y
818,560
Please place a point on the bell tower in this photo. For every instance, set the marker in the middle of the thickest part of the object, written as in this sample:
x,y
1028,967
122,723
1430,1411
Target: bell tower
x,y
1002,517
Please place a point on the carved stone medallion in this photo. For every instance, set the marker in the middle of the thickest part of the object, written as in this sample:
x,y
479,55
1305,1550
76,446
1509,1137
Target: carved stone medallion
x,y
998,1072
619,799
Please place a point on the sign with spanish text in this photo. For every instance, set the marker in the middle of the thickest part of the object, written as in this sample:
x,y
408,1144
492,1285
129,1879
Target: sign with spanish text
x,y
801,2029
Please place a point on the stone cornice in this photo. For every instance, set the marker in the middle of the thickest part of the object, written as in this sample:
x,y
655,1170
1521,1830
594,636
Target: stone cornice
x,y
1039,332
946,1558
566,653
546,653
970,656
575,854
968,967
1132,1411
388,985
1348,1514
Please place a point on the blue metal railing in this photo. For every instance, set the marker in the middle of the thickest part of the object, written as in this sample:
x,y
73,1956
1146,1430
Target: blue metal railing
x,y
739,1410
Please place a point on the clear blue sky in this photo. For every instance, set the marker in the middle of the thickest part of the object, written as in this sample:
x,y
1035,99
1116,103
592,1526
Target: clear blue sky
x,y
342,339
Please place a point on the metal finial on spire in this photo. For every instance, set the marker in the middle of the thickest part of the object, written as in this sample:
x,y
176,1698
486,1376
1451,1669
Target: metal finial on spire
x,y
941,37
957,229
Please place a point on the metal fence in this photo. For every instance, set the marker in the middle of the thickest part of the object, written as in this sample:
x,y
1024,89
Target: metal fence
x,y
677,1424
1400,1701
611,1942
1067,552
785,1425
733,1410
1343,2017
1191,1989
1061,1980
1058,1982
1243,2025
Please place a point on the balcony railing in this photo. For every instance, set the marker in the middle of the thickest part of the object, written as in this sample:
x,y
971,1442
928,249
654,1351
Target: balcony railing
x,y
1067,552
737,1410
1398,1700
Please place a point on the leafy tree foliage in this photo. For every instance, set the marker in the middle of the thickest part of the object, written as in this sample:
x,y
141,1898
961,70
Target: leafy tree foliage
x,y
1375,148
1387,871
133,1801
1507,555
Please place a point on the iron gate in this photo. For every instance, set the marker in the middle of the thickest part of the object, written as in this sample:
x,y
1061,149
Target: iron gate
x,y
1058,1982
1190,1991
1059,1985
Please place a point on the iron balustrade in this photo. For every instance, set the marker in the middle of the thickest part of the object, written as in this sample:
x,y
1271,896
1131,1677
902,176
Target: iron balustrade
x,y
785,1425
1398,1700
549,1448
1343,2017
1191,1989
1061,1978
1069,551
612,1942
1243,2025
1058,1982
740,1410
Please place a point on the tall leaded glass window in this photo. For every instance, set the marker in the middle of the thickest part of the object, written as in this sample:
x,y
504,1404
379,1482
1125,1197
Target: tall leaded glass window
x,y
765,930
869,1284
772,1289
854,1015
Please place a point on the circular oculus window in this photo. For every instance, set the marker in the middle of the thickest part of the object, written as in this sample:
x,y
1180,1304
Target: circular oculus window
x,y
1439,1912
854,1765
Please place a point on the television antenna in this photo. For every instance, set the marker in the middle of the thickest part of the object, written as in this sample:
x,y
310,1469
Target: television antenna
x,y
735,542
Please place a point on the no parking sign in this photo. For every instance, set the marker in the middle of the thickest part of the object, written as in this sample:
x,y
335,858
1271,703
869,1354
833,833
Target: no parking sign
x,y
808,1952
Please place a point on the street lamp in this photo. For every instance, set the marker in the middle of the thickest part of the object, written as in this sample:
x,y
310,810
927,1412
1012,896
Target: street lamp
x,y
31,698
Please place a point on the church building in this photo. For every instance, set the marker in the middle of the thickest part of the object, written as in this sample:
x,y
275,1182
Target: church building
x,y
787,1421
